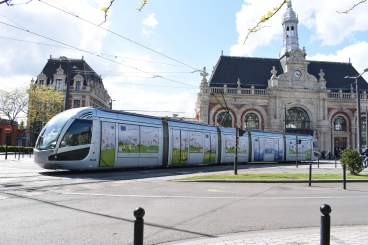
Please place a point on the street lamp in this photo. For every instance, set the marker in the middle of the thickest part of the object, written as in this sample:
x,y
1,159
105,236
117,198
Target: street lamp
x,y
111,100
358,108
285,114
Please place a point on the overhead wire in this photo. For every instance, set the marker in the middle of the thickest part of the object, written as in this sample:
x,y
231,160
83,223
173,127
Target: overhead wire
x,y
116,56
134,68
121,36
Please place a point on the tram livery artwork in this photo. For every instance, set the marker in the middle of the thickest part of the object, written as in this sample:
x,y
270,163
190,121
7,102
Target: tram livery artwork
x,y
91,138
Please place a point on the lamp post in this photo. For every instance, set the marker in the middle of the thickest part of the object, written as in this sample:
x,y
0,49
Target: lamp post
x,y
285,114
111,100
66,106
358,109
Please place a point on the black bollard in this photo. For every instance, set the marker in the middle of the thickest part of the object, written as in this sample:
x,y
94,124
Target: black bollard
x,y
23,153
335,161
235,165
138,226
18,153
344,173
318,162
310,174
325,224
15,153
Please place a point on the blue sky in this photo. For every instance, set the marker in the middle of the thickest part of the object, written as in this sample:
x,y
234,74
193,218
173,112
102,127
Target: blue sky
x,y
189,31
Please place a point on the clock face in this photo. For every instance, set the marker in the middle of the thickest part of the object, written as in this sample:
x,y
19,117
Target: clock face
x,y
297,74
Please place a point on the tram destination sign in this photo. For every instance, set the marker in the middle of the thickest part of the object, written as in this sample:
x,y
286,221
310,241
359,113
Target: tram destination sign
x,y
7,129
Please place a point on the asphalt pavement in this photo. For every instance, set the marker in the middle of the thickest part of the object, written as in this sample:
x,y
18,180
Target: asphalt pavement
x,y
308,235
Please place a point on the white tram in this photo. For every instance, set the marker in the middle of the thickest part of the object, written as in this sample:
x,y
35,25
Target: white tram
x,y
92,138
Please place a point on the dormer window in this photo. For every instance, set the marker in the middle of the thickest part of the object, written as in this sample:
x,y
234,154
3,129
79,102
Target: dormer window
x,y
78,86
58,84
41,82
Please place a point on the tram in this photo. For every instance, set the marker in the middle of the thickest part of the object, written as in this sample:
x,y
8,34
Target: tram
x,y
91,138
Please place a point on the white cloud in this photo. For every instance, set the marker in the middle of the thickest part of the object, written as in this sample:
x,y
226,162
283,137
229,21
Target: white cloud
x,y
321,17
146,33
353,52
150,21
27,59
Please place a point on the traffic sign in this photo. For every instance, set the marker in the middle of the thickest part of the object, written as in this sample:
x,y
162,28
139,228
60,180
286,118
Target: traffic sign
x,y
7,129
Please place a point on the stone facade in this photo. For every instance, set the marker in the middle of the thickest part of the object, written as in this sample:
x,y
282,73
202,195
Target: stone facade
x,y
299,96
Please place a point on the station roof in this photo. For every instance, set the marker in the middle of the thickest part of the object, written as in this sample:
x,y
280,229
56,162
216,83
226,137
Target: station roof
x,y
257,72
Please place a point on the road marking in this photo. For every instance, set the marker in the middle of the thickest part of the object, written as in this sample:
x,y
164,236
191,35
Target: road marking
x,y
201,197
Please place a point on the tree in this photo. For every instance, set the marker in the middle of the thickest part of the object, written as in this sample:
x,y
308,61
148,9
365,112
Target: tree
x,y
12,103
272,12
353,160
21,125
44,102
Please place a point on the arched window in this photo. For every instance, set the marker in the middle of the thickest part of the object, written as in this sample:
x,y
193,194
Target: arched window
x,y
339,124
251,121
363,123
287,31
292,31
224,119
297,117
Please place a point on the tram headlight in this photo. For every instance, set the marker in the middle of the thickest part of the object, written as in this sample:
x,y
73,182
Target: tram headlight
x,y
52,157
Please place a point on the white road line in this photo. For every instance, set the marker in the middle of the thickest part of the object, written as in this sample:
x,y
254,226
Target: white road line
x,y
201,197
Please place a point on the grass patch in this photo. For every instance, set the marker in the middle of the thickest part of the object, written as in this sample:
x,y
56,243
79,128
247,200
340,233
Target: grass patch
x,y
275,177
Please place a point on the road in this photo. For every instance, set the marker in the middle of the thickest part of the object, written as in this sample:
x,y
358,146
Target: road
x,y
61,207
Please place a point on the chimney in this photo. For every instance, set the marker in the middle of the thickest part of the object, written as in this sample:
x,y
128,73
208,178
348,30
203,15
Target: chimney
x,y
222,53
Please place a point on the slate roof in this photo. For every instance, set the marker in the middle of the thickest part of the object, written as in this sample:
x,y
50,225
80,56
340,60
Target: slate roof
x,y
257,72
77,66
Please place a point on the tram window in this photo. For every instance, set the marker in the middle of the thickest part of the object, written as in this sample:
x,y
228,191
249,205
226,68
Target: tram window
x,y
79,133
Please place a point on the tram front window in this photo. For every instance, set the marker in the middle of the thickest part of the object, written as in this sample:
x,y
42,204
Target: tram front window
x,y
51,132
79,133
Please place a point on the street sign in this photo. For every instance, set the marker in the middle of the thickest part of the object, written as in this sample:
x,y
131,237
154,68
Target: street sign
x,y
7,129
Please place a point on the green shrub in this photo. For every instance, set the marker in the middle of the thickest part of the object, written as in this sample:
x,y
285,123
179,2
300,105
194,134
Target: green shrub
x,y
353,160
15,148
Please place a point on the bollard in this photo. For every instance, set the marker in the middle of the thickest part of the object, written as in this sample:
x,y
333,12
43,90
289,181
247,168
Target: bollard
x,y
138,226
23,153
335,161
19,154
235,165
344,175
325,224
15,153
318,162
310,174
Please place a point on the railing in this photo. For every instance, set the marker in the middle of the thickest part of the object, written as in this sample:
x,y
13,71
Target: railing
x,y
243,91
264,92
340,95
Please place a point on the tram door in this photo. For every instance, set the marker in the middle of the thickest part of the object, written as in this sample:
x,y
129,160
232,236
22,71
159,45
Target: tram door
x,y
108,140
340,143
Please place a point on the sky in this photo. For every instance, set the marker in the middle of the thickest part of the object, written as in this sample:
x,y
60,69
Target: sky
x,y
151,59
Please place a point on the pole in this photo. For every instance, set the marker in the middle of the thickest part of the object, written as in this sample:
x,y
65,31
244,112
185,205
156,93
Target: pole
x,y
344,173
366,125
325,224
296,145
236,152
359,116
66,107
318,161
310,174
285,120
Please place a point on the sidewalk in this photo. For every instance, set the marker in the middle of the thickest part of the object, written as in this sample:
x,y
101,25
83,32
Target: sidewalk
x,y
357,235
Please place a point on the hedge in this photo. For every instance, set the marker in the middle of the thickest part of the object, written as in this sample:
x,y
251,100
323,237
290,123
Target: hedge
x,y
16,149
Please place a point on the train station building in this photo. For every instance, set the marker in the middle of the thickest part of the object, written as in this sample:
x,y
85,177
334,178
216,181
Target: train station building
x,y
287,94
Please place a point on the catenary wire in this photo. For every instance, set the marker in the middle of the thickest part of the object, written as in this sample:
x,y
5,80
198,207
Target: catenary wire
x,y
116,56
117,34
154,75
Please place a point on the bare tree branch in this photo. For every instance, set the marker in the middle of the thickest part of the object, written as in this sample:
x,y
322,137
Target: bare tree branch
x,y
351,8
105,10
142,3
263,19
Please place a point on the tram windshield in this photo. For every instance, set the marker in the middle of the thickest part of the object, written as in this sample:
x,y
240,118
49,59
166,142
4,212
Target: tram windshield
x,y
50,133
